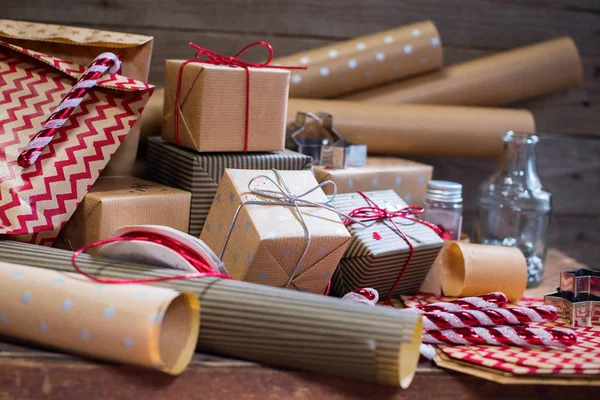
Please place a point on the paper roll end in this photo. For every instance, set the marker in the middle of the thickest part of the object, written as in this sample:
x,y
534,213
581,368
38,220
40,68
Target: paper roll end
x,y
453,283
178,333
409,356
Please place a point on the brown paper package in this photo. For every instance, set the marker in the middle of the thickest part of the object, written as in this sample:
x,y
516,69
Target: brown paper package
x,y
82,45
407,178
152,117
267,241
212,107
274,326
134,324
495,80
365,61
114,202
420,129
476,269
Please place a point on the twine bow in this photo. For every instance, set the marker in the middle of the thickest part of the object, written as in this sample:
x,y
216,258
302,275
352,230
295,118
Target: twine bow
x,y
283,196
211,57
372,212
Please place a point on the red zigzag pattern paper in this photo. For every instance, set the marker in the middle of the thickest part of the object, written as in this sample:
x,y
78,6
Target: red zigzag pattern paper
x,y
35,202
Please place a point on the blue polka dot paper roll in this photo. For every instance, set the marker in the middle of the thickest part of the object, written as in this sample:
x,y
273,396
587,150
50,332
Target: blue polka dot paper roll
x,y
134,324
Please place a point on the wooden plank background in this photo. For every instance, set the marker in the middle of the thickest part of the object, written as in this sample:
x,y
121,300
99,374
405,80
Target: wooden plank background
x,y
569,152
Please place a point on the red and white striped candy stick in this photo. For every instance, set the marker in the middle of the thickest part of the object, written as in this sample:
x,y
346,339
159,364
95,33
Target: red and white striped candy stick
x,y
491,300
101,64
487,317
502,336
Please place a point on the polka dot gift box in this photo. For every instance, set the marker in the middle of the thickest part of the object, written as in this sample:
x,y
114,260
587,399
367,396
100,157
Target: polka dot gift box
x,y
378,256
135,324
365,61
407,178
265,228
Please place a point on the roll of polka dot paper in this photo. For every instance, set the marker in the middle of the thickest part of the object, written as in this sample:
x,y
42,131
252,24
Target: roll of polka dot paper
x,y
135,324
366,61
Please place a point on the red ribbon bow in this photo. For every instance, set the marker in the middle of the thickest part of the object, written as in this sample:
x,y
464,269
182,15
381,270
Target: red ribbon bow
x,y
373,212
210,57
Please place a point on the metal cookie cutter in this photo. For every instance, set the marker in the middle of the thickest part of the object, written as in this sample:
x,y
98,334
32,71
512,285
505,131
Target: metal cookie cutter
x,y
314,135
578,297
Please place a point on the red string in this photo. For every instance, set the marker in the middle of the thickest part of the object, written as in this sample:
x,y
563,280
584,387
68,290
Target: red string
x,y
373,212
210,57
190,255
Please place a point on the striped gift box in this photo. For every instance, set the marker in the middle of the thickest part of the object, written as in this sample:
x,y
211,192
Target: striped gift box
x,y
377,254
200,173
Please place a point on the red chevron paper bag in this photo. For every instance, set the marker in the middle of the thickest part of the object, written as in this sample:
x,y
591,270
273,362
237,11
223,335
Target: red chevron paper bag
x,y
36,201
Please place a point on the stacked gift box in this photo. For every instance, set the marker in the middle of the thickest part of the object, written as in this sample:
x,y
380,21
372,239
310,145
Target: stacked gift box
x,y
261,189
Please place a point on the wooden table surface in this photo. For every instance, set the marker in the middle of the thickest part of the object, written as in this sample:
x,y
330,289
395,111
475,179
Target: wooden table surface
x,y
31,373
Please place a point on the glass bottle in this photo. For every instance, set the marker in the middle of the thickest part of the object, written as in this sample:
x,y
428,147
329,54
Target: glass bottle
x,y
512,207
443,207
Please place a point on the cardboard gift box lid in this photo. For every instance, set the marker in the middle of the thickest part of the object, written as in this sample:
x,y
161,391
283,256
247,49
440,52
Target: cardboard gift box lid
x,y
212,107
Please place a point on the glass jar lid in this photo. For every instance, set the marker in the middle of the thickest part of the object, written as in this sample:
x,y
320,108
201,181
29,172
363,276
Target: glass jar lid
x,y
444,191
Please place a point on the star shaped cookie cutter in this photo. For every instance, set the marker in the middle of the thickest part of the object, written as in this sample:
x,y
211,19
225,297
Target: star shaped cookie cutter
x,y
324,144
578,297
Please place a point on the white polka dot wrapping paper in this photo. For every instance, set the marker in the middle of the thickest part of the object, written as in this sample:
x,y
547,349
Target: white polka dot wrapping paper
x,y
365,61
499,79
134,324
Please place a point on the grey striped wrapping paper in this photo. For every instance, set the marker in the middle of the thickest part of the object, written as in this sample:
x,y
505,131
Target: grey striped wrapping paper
x,y
272,325
200,173
373,263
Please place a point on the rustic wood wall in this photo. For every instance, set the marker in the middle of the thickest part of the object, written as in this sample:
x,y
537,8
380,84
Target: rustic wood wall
x,y
569,154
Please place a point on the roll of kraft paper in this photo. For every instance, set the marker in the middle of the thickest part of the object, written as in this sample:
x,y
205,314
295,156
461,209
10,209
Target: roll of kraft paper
x,y
135,324
419,129
272,325
366,61
476,269
494,80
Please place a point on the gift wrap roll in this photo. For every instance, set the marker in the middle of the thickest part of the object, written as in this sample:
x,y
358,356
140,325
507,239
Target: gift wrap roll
x,y
476,269
433,281
271,325
366,61
495,80
419,129
135,324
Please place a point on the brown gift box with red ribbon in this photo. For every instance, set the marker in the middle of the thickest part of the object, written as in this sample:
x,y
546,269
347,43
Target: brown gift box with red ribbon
x,y
378,256
211,104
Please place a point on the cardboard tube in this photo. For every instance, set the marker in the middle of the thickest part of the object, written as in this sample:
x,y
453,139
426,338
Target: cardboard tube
x,y
271,325
495,80
476,269
365,61
134,324
433,281
419,129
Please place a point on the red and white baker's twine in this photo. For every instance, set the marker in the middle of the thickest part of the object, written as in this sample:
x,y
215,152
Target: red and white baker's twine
x,y
487,317
502,336
105,62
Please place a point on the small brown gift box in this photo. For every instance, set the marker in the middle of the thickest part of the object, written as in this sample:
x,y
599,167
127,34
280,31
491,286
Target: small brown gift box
x,y
212,107
377,254
267,241
81,46
407,178
114,202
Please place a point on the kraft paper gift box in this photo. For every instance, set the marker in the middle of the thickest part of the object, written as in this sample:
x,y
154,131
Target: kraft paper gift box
x,y
36,201
81,46
377,254
211,107
265,243
407,178
200,173
114,202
